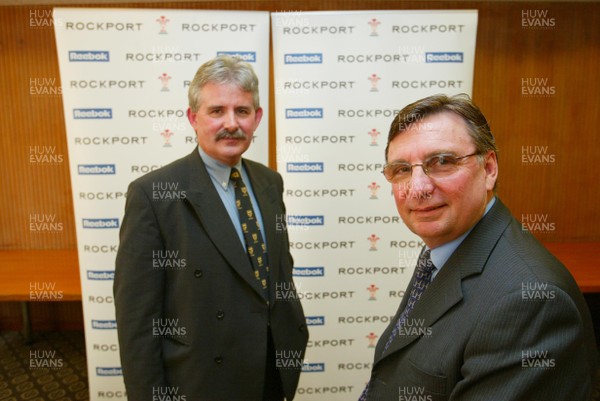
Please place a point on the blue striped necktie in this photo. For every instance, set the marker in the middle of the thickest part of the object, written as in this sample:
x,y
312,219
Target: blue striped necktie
x,y
422,278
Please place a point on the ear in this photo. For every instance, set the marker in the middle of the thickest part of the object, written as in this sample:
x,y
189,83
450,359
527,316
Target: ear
x,y
191,117
490,164
258,114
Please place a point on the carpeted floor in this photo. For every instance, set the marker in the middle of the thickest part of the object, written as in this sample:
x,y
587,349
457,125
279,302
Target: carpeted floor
x,y
53,368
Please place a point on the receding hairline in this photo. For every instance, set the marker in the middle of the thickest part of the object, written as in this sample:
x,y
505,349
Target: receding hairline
x,y
435,113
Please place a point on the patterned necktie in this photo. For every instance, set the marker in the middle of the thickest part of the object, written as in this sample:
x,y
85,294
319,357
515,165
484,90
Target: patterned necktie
x,y
255,246
423,272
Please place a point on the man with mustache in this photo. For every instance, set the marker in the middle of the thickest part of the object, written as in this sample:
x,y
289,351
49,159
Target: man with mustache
x,y
203,250
489,313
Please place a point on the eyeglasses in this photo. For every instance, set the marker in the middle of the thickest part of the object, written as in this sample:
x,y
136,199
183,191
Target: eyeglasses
x,y
436,166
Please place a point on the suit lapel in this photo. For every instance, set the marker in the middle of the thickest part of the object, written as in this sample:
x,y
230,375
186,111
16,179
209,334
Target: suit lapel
x,y
207,205
441,295
445,290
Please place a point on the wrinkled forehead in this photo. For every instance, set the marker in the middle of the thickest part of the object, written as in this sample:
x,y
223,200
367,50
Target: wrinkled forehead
x,y
439,132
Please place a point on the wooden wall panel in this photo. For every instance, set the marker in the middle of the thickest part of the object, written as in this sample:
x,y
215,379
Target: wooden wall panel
x,y
568,57
30,120
566,192
46,316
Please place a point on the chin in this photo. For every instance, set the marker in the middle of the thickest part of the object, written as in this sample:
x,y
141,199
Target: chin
x,y
233,150
428,230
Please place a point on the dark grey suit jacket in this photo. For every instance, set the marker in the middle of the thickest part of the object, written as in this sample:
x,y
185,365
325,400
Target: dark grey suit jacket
x,y
190,314
503,320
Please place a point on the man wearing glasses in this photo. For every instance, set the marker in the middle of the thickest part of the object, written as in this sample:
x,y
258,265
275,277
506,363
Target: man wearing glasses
x,y
489,313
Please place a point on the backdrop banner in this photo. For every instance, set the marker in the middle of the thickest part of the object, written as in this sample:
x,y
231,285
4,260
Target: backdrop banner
x,y
125,75
340,79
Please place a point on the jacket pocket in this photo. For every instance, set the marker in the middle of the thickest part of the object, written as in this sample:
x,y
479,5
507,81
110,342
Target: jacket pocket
x,y
427,382
178,340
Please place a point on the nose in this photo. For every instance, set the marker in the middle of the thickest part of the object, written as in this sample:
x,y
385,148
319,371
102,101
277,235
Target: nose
x,y
420,184
230,122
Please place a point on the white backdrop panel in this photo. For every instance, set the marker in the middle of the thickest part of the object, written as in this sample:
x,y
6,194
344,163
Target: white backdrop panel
x,y
340,78
125,75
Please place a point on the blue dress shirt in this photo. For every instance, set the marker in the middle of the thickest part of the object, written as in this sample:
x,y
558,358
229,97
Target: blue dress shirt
x,y
219,174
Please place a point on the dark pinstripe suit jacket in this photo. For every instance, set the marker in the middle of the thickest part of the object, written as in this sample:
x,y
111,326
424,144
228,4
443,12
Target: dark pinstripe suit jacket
x,y
503,320
201,329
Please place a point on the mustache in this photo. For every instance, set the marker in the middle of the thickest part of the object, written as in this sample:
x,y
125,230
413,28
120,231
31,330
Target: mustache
x,y
224,134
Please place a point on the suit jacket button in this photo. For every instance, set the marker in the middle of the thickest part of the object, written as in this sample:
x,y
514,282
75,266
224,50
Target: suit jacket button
x,y
220,314
302,327
197,273
218,360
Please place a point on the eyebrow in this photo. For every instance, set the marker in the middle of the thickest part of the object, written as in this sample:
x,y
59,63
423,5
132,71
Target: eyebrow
x,y
220,106
428,155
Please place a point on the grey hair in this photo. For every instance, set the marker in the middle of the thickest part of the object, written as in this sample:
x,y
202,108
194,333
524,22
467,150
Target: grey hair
x,y
224,69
